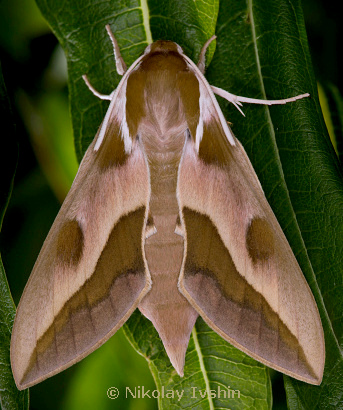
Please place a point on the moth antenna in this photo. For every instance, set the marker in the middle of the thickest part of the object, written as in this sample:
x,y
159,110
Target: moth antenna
x,y
201,62
120,63
95,92
236,99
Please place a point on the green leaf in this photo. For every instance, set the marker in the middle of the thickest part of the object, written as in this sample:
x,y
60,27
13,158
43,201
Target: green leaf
x,y
262,52
10,397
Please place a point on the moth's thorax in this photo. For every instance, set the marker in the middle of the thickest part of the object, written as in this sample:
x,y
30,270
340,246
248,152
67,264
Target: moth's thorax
x,y
162,102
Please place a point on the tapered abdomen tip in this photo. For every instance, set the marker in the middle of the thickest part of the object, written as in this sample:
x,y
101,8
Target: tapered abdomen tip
x,y
176,354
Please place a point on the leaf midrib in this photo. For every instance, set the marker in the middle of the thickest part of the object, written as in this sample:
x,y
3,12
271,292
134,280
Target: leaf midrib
x,y
202,367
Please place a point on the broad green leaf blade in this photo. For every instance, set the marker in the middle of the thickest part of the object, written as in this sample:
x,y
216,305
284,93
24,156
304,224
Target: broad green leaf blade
x,y
189,23
10,397
291,153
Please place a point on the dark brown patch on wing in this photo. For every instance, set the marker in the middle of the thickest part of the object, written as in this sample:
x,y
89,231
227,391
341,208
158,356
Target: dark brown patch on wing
x,y
188,85
70,243
150,221
135,100
231,303
92,312
260,240
214,150
112,150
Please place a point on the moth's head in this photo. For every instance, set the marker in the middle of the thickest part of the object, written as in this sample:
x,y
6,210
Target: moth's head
x,y
163,47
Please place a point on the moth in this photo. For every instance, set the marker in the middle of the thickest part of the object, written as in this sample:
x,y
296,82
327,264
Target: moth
x,y
166,214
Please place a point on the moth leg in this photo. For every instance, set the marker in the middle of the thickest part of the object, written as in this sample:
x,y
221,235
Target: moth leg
x,y
95,92
237,100
120,63
201,62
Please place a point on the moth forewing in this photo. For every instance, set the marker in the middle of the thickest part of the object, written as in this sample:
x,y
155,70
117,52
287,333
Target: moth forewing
x,y
166,214
249,289
221,198
90,274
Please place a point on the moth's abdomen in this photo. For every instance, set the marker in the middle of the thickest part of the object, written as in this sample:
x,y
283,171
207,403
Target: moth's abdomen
x,y
162,130
170,312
